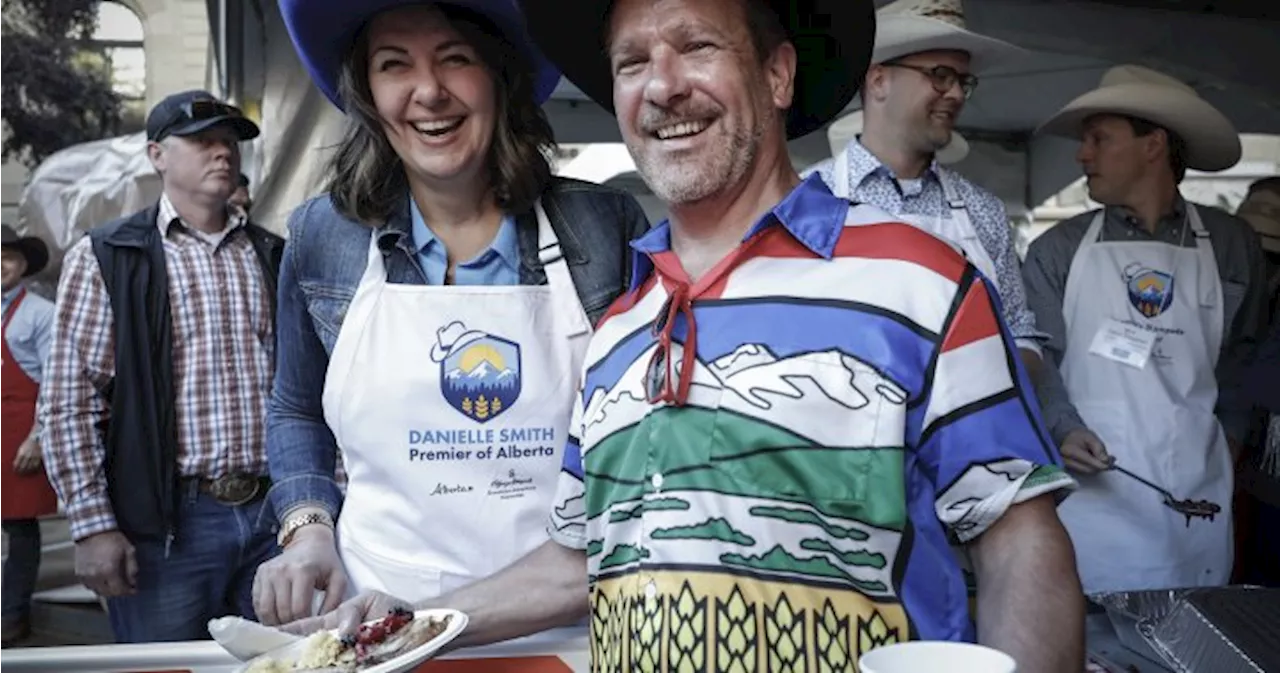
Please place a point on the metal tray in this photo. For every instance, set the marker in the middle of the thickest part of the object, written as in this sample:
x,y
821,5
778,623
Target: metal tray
x,y
1227,630
1134,613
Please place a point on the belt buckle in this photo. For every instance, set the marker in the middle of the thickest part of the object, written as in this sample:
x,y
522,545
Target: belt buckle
x,y
234,490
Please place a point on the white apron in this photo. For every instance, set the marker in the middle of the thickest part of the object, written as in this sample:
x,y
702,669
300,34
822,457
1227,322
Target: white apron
x,y
450,406
953,227
1157,420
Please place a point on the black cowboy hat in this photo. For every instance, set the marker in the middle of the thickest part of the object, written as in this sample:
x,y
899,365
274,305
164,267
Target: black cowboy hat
x,y
833,39
34,249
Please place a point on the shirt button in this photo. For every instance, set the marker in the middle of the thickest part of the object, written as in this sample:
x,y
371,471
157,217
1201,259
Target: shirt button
x,y
651,589
657,482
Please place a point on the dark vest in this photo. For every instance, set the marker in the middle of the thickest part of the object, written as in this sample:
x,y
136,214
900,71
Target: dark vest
x,y
141,435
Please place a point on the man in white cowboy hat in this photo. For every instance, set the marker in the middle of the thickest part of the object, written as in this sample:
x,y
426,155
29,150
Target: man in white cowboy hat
x,y
25,490
1153,306
923,70
744,461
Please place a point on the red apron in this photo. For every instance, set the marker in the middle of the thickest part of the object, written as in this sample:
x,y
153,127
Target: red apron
x,y
21,496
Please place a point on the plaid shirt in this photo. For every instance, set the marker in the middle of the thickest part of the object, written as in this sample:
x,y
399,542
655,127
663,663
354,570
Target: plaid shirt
x,y
223,359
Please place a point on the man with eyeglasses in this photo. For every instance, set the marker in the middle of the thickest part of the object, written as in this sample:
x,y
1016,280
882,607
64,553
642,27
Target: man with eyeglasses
x,y
156,387
921,76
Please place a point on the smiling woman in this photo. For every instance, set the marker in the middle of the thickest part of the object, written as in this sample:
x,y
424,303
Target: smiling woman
x,y
477,81
435,306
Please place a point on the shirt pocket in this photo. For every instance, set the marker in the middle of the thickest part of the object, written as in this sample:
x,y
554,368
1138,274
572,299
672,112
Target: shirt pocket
x,y
824,429
328,309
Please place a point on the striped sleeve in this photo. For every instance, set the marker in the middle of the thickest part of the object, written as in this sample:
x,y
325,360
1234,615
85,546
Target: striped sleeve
x,y
980,436
72,408
568,522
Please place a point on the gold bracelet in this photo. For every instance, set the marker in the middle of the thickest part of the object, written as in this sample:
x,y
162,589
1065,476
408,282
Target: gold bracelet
x,y
294,523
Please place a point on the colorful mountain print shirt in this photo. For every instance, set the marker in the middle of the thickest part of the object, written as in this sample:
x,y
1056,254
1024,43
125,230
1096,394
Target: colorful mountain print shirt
x,y
855,407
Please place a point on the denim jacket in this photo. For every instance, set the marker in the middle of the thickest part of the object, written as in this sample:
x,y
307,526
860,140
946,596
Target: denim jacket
x,y
324,260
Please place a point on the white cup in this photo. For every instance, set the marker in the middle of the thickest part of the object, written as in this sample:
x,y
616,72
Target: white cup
x,y
936,657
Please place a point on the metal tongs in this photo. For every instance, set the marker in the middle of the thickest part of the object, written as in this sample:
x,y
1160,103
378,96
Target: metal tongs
x,y
1202,509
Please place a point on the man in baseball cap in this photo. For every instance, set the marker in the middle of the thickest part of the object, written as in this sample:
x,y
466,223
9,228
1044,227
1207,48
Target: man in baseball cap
x,y
190,112
174,306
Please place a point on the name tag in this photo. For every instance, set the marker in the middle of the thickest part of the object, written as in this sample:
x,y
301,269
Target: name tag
x,y
1123,343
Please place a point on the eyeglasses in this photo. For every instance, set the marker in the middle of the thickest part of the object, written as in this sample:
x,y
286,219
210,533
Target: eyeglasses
x,y
198,110
662,383
943,77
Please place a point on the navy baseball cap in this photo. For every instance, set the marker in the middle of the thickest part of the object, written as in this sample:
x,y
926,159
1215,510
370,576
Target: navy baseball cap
x,y
189,112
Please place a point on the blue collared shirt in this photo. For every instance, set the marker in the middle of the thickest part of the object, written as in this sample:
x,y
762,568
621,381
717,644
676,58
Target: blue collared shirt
x,y
809,213
30,331
871,182
498,264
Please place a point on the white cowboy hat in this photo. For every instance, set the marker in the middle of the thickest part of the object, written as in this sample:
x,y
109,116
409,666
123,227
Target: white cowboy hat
x,y
846,128
1261,208
1212,142
912,26
453,336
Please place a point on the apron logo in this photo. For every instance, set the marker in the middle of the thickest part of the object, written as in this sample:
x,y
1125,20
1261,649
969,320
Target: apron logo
x,y
1150,291
514,485
479,372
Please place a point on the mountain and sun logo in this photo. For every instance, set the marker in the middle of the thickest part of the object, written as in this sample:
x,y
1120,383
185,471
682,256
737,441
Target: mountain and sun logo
x,y
479,372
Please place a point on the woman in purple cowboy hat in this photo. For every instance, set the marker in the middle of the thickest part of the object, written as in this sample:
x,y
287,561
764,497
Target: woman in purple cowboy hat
x,y
434,308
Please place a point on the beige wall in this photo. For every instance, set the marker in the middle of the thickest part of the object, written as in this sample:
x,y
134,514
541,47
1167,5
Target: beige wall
x,y
176,43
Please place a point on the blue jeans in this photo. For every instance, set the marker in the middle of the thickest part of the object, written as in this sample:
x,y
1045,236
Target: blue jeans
x,y
208,573
21,568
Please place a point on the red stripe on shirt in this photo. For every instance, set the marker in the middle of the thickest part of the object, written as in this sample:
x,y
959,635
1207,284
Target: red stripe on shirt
x,y
890,240
974,320
895,240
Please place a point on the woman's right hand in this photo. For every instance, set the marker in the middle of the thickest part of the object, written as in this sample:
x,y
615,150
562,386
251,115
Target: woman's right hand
x,y
284,587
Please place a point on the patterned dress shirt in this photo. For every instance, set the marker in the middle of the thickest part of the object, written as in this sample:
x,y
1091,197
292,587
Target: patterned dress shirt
x,y
223,358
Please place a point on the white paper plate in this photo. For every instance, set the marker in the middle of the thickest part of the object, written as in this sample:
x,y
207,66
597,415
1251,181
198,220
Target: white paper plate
x,y
405,662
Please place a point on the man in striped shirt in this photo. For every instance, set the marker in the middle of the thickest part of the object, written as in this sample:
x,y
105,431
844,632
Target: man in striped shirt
x,y
799,406
156,386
